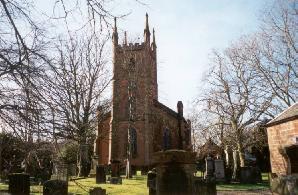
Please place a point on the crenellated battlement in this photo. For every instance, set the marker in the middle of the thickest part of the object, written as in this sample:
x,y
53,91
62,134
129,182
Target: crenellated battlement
x,y
146,45
131,46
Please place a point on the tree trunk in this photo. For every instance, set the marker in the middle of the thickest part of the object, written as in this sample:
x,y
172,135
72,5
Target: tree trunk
x,y
241,154
235,164
83,160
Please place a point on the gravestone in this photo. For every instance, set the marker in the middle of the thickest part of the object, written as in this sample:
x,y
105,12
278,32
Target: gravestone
x,y
19,183
115,168
209,168
151,182
219,170
205,187
115,180
97,191
60,172
250,175
72,170
175,172
100,174
55,187
94,163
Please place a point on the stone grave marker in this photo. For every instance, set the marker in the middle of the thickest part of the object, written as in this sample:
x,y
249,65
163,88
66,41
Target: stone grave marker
x,y
219,170
55,187
97,191
60,172
151,182
100,174
94,163
209,168
19,183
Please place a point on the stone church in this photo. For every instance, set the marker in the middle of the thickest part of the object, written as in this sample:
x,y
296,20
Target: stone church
x,y
136,113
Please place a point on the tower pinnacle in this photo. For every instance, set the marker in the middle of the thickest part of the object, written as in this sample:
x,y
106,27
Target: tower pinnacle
x,y
125,38
115,33
153,45
147,31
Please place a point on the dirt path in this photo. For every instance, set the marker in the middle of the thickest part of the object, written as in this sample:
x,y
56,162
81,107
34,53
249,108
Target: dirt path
x,y
254,192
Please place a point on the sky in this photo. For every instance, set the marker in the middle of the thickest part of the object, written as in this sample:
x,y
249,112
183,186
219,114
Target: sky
x,y
186,33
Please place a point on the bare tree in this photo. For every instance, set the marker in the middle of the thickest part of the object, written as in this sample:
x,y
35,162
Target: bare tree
x,y
277,54
76,87
234,95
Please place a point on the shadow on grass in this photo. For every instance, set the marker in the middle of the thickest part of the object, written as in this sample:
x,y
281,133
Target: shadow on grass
x,y
242,187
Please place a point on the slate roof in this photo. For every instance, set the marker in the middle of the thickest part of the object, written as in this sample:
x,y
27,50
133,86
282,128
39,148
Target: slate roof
x,y
289,114
165,108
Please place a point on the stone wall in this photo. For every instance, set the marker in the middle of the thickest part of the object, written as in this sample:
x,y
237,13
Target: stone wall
x,y
279,137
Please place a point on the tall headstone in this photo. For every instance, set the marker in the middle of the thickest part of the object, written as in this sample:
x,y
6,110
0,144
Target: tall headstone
x,y
100,174
93,166
219,170
209,168
60,171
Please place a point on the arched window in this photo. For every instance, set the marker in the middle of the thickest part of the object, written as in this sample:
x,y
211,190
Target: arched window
x,y
134,142
166,139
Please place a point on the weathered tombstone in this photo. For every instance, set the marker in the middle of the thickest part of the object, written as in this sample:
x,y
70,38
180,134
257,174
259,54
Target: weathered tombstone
x,y
250,175
115,168
19,183
175,172
100,174
71,169
60,172
209,168
219,170
84,161
151,182
55,187
205,187
93,166
97,191
115,180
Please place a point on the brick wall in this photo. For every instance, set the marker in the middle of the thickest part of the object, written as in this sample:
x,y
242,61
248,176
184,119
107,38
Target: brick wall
x,y
280,136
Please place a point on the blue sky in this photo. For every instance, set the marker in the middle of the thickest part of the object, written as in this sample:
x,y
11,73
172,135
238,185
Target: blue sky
x,y
186,33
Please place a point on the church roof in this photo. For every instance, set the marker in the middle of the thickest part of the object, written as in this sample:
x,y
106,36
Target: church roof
x,y
168,110
165,108
289,114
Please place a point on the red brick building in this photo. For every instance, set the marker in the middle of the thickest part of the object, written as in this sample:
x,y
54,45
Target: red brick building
x,y
283,142
135,105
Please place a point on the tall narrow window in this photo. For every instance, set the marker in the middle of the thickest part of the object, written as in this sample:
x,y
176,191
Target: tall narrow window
x,y
134,142
166,139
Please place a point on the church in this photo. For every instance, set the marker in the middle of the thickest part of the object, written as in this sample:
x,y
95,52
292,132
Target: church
x,y
137,119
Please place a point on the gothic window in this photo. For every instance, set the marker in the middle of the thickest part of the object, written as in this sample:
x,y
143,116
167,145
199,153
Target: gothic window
x,y
131,64
166,139
134,142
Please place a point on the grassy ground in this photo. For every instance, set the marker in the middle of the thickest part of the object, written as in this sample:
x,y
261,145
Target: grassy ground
x,y
137,186
134,186
242,187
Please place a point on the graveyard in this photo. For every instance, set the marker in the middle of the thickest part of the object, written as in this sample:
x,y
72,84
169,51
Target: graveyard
x,y
137,185
148,97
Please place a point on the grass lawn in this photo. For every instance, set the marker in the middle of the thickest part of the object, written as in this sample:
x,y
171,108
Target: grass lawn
x,y
137,186
241,187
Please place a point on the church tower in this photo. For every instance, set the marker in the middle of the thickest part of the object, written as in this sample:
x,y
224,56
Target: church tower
x,y
134,89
